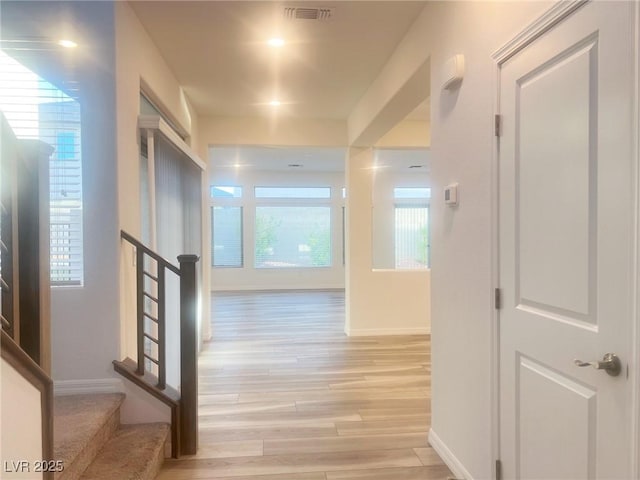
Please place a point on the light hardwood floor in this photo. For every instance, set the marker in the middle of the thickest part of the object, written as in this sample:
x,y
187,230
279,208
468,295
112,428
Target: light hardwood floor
x,y
285,395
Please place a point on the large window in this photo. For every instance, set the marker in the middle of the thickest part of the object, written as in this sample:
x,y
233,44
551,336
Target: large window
x,y
412,236
292,236
293,192
37,109
411,227
287,227
226,226
226,235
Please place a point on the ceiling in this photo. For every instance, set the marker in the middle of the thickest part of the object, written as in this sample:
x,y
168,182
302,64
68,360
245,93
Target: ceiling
x,y
278,159
218,51
311,159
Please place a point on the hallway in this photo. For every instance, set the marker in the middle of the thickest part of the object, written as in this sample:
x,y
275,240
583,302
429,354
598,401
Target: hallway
x,y
285,395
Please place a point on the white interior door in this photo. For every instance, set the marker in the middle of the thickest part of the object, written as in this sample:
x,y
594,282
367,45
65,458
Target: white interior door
x,y
566,239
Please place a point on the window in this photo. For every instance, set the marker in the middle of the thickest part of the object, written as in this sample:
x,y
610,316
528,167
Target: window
x,y
292,236
226,192
411,192
293,192
37,109
412,236
226,235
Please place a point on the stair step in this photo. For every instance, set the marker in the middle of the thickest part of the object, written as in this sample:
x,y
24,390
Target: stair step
x,y
82,426
135,452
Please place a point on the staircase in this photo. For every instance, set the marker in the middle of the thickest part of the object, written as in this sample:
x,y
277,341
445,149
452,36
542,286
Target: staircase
x,y
93,445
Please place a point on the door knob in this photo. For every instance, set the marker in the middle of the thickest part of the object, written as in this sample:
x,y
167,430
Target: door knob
x,y
610,363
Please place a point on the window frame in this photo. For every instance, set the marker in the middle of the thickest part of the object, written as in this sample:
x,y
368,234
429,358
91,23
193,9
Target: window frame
x,y
412,203
66,242
326,202
240,202
317,188
241,242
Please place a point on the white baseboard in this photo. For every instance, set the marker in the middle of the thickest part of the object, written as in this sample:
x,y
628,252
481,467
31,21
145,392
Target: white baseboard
x,y
456,467
376,332
94,385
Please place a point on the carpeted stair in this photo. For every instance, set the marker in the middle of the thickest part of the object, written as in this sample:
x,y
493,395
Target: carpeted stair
x,y
92,445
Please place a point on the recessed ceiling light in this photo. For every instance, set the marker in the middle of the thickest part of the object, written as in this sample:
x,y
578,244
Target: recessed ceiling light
x,y
274,103
276,42
67,43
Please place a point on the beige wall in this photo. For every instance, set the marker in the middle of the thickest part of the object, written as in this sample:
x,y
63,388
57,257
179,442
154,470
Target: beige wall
x,y
407,134
138,63
20,423
399,88
271,131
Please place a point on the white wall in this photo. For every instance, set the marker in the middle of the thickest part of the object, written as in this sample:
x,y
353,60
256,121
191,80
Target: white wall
x,y
20,424
382,302
282,132
384,211
85,317
114,57
139,65
250,278
461,147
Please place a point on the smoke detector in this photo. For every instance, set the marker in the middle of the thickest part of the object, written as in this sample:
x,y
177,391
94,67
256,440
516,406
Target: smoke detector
x,y
308,13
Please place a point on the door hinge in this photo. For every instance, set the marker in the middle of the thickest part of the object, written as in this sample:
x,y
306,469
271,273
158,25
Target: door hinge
x,y
497,124
497,298
498,470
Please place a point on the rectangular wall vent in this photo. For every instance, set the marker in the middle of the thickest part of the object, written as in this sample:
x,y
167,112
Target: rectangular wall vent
x,y
308,13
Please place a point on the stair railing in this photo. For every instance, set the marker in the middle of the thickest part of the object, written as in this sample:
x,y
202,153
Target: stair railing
x,y
184,404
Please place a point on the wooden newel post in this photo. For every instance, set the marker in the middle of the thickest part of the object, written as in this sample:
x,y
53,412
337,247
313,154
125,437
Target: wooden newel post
x,y
188,354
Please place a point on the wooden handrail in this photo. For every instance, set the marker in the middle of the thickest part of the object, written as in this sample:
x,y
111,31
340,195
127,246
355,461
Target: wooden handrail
x,y
184,419
138,244
36,376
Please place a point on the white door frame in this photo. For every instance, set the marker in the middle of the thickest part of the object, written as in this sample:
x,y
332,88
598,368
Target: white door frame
x,y
534,30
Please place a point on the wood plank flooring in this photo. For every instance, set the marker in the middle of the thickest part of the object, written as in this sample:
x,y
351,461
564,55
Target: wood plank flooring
x,y
285,395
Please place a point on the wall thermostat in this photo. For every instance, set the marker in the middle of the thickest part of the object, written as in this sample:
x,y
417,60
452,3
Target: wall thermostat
x,y
451,195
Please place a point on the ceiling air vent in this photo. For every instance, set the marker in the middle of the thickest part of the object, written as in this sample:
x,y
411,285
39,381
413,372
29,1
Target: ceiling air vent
x,y
308,13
